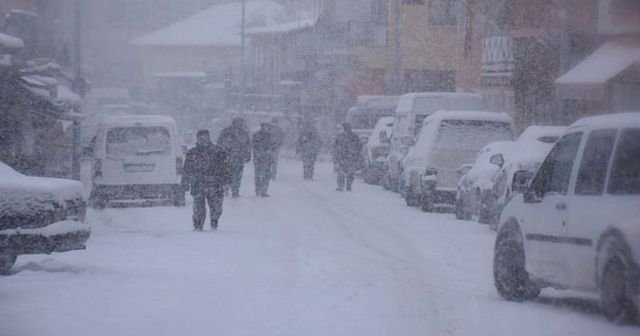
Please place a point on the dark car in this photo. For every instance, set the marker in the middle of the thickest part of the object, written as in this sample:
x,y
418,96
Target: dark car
x,y
39,215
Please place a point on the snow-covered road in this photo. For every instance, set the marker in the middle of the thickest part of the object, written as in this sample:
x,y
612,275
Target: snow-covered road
x,y
306,261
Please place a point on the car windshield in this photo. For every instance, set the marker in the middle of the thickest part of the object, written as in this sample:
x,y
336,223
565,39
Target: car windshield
x,y
138,141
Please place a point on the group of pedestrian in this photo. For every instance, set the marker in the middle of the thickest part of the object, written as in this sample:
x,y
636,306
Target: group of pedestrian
x,y
211,169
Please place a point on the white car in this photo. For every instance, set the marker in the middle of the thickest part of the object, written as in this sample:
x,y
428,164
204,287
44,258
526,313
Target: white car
x,y
530,149
137,159
578,224
39,215
475,184
447,142
376,151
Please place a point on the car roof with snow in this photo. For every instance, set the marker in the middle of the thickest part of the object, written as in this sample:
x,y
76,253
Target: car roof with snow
x,y
138,119
534,144
381,102
469,115
625,119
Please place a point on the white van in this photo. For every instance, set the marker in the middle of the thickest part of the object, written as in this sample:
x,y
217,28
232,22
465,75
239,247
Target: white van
x,y
577,225
412,109
367,111
137,158
449,140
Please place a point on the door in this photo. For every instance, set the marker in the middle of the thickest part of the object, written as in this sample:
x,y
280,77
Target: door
x,y
546,233
585,226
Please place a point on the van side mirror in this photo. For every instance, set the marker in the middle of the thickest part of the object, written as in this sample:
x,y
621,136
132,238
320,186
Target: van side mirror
x,y
497,159
408,141
520,183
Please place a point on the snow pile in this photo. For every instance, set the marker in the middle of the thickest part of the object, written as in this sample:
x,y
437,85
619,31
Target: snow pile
x,y
10,42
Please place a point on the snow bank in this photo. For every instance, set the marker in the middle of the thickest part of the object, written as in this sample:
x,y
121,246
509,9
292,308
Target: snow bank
x,y
55,229
10,42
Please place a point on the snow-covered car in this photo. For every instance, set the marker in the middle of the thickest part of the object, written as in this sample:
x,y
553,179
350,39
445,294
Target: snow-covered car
x,y
578,223
477,183
530,149
448,140
412,109
137,158
39,215
376,151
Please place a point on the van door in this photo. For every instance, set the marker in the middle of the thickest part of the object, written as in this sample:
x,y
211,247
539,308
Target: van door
x,y
585,226
546,232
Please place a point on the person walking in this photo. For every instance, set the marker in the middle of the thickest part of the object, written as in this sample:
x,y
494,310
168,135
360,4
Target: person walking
x,y
237,141
347,156
263,147
278,138
206,172
307,147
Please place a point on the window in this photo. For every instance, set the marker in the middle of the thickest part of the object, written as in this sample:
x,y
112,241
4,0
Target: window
x,y
625,172
442,12
595,161
554,174
138,141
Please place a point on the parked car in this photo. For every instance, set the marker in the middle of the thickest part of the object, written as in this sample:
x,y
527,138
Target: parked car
x,y
39,215
137,158
412,109
578,223
477,183
376,151
531,148
448,140
364,116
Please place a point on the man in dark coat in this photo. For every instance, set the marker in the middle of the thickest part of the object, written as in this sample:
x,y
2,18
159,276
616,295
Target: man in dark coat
x,y
278,137
206,172
308,146
347,156
264,146
237,141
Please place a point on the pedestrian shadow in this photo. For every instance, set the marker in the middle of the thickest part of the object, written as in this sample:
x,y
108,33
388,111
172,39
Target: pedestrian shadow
x,y
579,305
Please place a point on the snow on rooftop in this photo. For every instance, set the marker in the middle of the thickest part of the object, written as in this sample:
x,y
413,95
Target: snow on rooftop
x,y
216,26
605,63
284,27
8,41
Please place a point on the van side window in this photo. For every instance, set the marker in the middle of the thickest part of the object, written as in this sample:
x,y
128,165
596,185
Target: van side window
x,y
555,172
595,161
625,172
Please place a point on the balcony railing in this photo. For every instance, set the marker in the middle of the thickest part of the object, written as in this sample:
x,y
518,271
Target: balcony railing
x,y
497,56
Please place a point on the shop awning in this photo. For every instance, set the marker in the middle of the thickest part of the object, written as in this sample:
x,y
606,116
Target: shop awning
x,y
587,80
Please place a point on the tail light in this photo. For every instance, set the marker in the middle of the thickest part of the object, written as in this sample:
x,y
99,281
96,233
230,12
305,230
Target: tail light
x,y
380,151
97,167
179,167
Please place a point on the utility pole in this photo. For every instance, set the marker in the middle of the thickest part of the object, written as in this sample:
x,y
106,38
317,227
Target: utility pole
x,y
243,71
397,48
77,52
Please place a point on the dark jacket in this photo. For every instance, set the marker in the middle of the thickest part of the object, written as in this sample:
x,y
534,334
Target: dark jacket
x,y
206,166
264,146
309,142
347,150
278,136
236,140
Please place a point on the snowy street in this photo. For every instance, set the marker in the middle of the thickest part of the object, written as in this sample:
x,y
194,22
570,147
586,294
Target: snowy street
x,y
306,261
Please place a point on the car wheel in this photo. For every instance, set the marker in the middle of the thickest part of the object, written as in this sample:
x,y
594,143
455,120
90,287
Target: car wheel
x,y
179,199
411,199
462,212
6,262
426,203
615,296
509,274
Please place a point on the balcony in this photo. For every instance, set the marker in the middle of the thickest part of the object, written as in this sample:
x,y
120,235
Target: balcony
x,y
497,56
